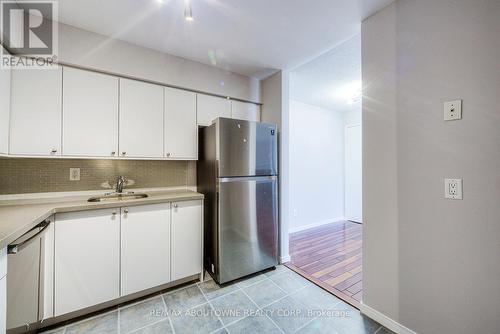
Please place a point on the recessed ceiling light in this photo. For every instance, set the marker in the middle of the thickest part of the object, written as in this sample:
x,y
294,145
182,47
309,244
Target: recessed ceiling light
x,y
351,92
188,13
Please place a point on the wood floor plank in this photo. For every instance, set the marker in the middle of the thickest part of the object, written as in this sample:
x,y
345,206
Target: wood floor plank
x,y
330,256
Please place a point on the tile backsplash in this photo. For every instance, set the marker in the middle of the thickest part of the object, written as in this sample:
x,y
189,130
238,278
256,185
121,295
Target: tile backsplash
x,y
19,176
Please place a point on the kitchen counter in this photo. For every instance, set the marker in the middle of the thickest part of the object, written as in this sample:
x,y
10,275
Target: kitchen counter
x,y
18,217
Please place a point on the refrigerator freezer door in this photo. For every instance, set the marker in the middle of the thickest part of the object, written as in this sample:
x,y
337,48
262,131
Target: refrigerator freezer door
x,y
248,226
246,148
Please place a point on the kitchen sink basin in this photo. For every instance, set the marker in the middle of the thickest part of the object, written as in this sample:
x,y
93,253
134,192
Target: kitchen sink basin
x,y
117,197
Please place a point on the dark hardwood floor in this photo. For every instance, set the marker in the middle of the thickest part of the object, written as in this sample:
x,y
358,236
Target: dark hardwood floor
x,y
330,256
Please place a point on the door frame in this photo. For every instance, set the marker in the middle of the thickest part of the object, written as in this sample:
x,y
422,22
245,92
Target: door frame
x,y
348,126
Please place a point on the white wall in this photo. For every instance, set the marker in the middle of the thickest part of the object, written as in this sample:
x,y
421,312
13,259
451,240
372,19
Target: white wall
x,y
352,116
316,166
448,268
275,96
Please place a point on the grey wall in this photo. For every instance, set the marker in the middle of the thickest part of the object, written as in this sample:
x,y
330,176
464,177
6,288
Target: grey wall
x,y
84,48
275,96
448,268
380,198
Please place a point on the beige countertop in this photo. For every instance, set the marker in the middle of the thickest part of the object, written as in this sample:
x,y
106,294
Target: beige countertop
x,y
19,216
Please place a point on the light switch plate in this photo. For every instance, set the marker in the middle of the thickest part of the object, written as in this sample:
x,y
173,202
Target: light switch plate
x,y
453,188
453,110
74,174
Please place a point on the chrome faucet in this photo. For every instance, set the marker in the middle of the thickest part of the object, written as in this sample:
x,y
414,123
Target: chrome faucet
x,y
120,183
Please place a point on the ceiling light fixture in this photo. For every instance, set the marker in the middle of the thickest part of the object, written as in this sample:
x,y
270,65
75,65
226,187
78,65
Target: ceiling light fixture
x,y
351,92
188,13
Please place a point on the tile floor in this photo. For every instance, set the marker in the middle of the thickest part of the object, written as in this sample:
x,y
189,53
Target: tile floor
x,y
278,301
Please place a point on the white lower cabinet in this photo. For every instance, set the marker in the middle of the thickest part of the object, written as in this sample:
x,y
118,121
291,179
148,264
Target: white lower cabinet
x,y
3,305
145,251
186,239
135,248
87,259
3,290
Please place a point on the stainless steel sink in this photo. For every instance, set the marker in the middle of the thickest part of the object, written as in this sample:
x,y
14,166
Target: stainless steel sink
x,y
117,197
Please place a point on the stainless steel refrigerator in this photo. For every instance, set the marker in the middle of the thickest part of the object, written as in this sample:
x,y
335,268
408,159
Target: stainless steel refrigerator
x,y
238,174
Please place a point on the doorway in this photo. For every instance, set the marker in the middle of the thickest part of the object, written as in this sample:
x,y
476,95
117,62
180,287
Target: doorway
x,y
325,182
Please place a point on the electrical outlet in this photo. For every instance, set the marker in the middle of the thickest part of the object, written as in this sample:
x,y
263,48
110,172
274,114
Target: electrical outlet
x,y
453,110
74,174
453,188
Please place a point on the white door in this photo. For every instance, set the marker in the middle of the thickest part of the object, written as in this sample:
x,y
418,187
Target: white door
x,y
87,259
181,131
90,114
186,239
145,247
245,111
141,119
36,112
5,77
212,107
353,173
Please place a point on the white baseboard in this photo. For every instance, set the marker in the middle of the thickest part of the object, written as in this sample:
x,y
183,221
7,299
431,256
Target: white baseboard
x,y
384,320
308,226
284,259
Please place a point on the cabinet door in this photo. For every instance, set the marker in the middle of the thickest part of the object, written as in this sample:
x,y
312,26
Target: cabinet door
x,y
3,305
145,247
141,119
181,131
245,111
90,114
186,239
211,107
87,259
35,119
5,77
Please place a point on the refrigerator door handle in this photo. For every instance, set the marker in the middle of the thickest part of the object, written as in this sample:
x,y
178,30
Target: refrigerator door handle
x,y
248,178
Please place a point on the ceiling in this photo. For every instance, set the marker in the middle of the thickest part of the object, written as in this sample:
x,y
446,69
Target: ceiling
x,y
250,37
331,81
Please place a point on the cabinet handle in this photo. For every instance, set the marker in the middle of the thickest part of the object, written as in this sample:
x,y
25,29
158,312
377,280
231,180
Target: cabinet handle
x,y
113,214
113,153
53,151
125,211
168,154
124,153
176,206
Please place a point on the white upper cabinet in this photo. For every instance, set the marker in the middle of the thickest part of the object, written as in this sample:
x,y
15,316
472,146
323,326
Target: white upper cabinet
x,y
141,119
87,259
186,239
145,247
245,111
5,75
211,107
35,119
90,114
181,130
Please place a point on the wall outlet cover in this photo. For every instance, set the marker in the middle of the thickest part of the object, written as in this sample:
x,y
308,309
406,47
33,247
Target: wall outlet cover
x,y
453,110
453,189
74,174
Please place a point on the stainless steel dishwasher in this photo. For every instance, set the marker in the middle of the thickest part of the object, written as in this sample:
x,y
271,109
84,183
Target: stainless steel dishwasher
x,y
25,279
